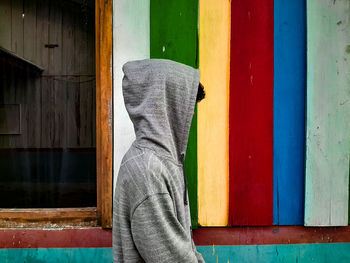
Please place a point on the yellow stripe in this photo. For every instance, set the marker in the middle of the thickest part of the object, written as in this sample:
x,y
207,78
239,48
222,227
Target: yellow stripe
x,y
214,62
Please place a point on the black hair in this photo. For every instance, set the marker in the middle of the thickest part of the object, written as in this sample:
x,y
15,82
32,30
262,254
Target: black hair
x,y
201,92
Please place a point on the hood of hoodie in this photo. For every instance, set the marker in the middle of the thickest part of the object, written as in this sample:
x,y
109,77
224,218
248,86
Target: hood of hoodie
x,y
160,97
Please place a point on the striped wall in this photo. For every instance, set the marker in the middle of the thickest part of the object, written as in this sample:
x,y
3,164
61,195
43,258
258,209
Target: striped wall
x,y
214,67
130,42
289,111
270,143
242,244
251,113
328,118
179,44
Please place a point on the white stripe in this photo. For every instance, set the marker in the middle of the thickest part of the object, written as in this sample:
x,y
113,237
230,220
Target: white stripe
x,y
131,41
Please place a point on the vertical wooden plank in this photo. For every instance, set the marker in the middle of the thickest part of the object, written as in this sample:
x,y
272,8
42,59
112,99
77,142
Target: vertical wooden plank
x,y
77,42
289,111
34,108
214,66
68,47
10,84
327,119
55,38
17,27
174,35
5,24
42,33
47,112
98,109
73,113
94,115
82,35
91,59
104,111
251,113
20,82
85,111
131,41
29,32
10,96
59,128
3,141
5,82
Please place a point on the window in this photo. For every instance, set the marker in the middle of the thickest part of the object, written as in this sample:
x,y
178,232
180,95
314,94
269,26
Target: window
x,y
55,105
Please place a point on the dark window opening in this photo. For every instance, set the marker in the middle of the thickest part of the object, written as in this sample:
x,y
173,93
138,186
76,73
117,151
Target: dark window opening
x,y
47,104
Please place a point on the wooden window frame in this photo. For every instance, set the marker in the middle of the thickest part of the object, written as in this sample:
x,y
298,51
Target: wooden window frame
x,y
85,216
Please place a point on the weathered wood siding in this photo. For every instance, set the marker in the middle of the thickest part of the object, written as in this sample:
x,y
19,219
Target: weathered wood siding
x,y
131,41
289,111
328,108
174,35
57,107
251,113
214,64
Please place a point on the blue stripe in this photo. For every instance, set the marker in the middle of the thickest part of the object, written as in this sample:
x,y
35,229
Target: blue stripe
x,y
289,111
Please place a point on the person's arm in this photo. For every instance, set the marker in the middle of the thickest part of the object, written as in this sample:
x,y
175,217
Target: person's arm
x,y
158,235
198,255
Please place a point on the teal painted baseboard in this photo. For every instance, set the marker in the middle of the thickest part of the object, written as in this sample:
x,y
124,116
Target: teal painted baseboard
x,y
56,255
301,253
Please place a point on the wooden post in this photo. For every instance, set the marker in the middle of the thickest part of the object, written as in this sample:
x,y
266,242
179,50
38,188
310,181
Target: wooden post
x,y
327,113
104,111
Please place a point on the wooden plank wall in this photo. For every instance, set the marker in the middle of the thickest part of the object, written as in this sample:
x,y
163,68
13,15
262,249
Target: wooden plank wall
x,y
174,35
328,107
131,41
58,108
251,113
5,21
289,111
214,59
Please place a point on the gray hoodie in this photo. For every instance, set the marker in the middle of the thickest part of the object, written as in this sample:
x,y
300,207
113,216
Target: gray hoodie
x,y
151,216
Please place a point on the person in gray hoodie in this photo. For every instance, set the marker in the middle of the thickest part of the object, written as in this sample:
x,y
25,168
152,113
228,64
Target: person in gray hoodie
x,y
151,216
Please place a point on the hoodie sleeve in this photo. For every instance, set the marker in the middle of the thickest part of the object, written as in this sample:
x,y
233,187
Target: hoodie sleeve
x,y
198,255
158,235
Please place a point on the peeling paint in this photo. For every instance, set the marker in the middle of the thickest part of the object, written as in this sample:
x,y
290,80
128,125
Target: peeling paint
x,y
347,50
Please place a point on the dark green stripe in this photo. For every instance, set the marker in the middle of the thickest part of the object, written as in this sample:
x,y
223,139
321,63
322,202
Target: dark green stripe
x,y
174,35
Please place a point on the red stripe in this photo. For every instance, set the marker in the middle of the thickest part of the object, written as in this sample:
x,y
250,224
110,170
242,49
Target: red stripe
x,y
65,238
251,113
270,235
97,237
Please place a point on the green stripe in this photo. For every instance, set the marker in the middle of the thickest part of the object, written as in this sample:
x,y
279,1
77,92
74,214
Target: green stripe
x,y
174,35
327,118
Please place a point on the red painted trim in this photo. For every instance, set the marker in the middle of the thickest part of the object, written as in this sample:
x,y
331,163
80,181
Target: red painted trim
x,y
65,238
97,237
251,113
270,235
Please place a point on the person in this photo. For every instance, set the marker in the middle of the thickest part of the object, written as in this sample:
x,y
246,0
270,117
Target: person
x,y
151,216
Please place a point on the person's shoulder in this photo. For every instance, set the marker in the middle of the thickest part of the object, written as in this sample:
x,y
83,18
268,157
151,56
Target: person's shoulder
x,y
139,160
132,156
141,172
